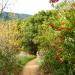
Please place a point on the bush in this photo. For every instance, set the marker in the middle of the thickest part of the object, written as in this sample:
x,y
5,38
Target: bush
x,y
8,63
9,47
12,65
36,33
60,58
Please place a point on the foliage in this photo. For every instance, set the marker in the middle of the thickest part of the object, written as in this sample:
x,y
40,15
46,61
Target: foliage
x,y
23,59
36,31
9,35
52,32
60,58
8,63
9,47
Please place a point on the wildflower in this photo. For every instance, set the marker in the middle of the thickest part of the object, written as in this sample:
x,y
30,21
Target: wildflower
x,y
53,45
74,23
68,29
73,5
60,28
52,25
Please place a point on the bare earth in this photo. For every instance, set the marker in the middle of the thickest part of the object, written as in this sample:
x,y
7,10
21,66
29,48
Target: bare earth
x,y
31,68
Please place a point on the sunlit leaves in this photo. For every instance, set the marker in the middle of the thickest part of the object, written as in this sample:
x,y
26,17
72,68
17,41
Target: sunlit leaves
x,y
9,35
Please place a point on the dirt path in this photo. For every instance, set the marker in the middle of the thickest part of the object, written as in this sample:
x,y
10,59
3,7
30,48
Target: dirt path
x,y
31,68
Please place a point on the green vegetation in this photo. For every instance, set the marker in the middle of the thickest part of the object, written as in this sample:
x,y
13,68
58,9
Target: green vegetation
x,y
36,32
22,60
10,46
54,32
51,33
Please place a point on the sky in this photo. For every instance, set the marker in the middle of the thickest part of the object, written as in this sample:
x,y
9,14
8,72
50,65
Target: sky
x,y
28,6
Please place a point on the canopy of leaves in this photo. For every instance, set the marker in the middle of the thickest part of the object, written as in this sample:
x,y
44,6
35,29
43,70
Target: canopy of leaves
x,y
36,31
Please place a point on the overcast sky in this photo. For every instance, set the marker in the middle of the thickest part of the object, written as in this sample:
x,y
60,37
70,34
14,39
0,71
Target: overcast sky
x,y
29,6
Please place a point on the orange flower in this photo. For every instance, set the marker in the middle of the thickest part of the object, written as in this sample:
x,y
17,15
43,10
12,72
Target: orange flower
x,y
60,60
59,50
53,45
52,25
62,22
60,28
65,9
68,29
60,37
73,5
74,23
58,56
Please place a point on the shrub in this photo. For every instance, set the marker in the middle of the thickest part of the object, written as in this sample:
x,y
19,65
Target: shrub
x,y
63,46
8,63
9,47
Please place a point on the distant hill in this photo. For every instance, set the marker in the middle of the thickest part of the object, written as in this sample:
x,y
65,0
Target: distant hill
x,y
9,15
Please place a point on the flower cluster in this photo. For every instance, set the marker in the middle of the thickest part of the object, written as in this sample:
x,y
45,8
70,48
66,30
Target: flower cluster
x,y
53,1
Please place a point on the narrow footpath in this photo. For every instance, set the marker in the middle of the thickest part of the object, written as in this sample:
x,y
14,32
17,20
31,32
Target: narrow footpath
x,y
31,68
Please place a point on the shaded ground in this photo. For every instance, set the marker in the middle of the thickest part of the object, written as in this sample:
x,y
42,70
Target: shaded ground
x,y
31,68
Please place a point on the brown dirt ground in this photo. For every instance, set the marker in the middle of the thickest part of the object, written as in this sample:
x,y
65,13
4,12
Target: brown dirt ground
x,y
31,68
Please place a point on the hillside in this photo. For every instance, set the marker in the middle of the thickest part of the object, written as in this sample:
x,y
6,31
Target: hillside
x,y
9,15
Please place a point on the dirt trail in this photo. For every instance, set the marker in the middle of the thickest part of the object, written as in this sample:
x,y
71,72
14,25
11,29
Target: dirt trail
x,y
31,68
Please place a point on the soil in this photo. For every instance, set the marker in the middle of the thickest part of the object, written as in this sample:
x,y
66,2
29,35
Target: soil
x,y
31,68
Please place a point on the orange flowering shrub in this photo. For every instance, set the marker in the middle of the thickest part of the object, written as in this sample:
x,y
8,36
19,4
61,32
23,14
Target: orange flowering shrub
x,y
64,44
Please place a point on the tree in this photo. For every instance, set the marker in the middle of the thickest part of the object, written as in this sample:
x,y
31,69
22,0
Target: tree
x,y
34,32
5,4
